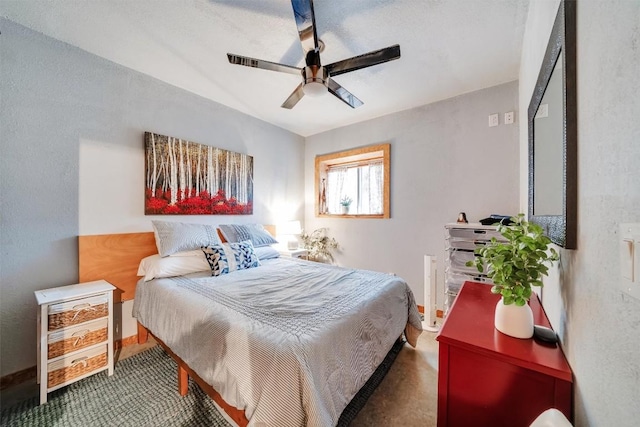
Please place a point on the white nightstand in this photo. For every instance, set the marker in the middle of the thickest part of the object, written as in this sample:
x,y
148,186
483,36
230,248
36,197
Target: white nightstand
x,y
294,253
75,333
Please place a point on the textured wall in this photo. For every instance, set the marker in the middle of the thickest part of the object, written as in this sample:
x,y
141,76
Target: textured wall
x,y
599,325
444,159
72,162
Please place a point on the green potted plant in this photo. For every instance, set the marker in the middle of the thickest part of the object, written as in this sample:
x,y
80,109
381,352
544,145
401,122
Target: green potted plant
x,y
514,267
319,245
345,202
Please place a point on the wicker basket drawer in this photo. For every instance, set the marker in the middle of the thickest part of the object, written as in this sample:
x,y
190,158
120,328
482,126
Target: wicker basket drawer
x,y
77,311
77,338
68,368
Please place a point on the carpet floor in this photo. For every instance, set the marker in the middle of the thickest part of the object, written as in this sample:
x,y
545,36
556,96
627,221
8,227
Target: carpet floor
x,y
143,392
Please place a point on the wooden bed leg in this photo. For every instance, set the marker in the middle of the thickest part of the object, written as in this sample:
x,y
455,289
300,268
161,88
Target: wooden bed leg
x,y
184,372
143,334
183,380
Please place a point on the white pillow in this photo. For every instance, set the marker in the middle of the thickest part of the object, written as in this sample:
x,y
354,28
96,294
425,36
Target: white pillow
x,y
267,252
155,266
172,237
195,252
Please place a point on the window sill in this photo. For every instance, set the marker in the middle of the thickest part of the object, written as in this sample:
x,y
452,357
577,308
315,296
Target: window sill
x,y
378,216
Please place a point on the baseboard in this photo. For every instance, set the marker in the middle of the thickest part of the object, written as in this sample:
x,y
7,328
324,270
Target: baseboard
x,y
18,377
118,344
30,373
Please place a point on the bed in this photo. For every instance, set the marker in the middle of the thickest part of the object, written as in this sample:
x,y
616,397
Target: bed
x,y
287,343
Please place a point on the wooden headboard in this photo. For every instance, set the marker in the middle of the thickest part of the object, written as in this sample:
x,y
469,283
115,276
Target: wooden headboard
x,y
115,258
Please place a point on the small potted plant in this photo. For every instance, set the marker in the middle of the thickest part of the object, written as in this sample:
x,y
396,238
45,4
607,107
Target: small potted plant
x,y
319,245
514,267
345,202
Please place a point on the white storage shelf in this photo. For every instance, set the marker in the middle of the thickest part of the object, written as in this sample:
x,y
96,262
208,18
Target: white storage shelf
x,y
460,242
75,334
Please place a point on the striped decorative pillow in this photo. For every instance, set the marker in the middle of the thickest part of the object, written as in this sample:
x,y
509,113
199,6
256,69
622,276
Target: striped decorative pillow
x,y
227,257
239,232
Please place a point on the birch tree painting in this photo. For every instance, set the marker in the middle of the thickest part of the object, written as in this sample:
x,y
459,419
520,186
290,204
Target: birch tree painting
x,y
185,178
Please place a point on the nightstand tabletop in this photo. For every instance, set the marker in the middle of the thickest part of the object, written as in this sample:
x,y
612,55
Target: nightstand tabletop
x,y
293,253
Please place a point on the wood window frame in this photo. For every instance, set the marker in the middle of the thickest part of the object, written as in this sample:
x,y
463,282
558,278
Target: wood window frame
x,y
322,162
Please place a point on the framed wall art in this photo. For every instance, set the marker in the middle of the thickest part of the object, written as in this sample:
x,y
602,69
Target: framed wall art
x,y
187,178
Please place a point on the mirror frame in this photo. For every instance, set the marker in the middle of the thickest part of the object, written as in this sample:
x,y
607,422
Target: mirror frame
x,y
561,229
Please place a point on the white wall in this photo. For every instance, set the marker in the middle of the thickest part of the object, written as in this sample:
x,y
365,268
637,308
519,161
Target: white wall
x,y
444,160
598,324
72,162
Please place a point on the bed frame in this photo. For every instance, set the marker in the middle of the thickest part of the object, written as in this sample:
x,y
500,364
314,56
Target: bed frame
x,y
184,372
115,258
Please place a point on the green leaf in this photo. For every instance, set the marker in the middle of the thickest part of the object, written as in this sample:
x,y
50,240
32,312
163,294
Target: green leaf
x,y
519,263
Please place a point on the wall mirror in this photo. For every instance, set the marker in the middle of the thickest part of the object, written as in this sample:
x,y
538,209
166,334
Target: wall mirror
x,y
553,134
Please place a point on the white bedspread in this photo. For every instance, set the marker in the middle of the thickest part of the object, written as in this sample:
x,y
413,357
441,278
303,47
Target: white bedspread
x,y
290,342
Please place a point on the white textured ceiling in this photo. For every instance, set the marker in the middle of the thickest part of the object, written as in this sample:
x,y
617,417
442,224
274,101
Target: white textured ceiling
x,y
448,47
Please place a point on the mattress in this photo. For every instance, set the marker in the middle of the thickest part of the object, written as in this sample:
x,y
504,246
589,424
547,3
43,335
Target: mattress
x,y
289,342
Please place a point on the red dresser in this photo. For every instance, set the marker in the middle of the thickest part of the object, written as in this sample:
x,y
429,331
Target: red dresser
x,y
486,378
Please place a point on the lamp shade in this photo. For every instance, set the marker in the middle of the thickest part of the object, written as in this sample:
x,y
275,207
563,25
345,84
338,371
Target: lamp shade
x,y
289,228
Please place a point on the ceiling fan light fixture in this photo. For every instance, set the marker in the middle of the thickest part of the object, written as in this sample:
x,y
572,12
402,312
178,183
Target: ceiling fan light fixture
x,y
314,88
315,79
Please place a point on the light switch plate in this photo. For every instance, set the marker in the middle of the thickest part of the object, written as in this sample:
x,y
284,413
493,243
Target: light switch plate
x,y
630,259
543,111
627,258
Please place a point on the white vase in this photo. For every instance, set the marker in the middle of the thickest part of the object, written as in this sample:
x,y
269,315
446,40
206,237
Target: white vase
x,y
345,209
513,320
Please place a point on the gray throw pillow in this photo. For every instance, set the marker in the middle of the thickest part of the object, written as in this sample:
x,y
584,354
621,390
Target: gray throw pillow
x,y
172,237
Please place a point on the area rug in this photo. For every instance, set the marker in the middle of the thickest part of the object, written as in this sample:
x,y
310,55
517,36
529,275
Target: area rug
x,y
143,392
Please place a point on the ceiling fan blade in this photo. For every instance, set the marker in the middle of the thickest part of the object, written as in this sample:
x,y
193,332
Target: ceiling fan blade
x,y
343,94
293,99
306,23
265,65
362,61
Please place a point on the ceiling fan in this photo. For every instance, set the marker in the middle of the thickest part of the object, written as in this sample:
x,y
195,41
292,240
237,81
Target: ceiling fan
x,y
316,78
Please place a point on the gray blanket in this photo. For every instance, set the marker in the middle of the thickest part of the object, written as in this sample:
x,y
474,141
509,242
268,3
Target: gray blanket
x,y
290,342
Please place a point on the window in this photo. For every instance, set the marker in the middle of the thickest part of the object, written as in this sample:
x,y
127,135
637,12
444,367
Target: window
x,y
360,176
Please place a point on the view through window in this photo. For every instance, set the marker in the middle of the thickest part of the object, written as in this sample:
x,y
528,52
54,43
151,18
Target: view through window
x,y
354,182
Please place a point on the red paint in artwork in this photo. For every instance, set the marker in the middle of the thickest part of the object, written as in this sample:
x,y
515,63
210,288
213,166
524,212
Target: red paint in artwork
x,y
201,204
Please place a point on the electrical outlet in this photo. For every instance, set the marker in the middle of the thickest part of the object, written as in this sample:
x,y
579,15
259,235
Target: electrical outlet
x,y
493,120
509,118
